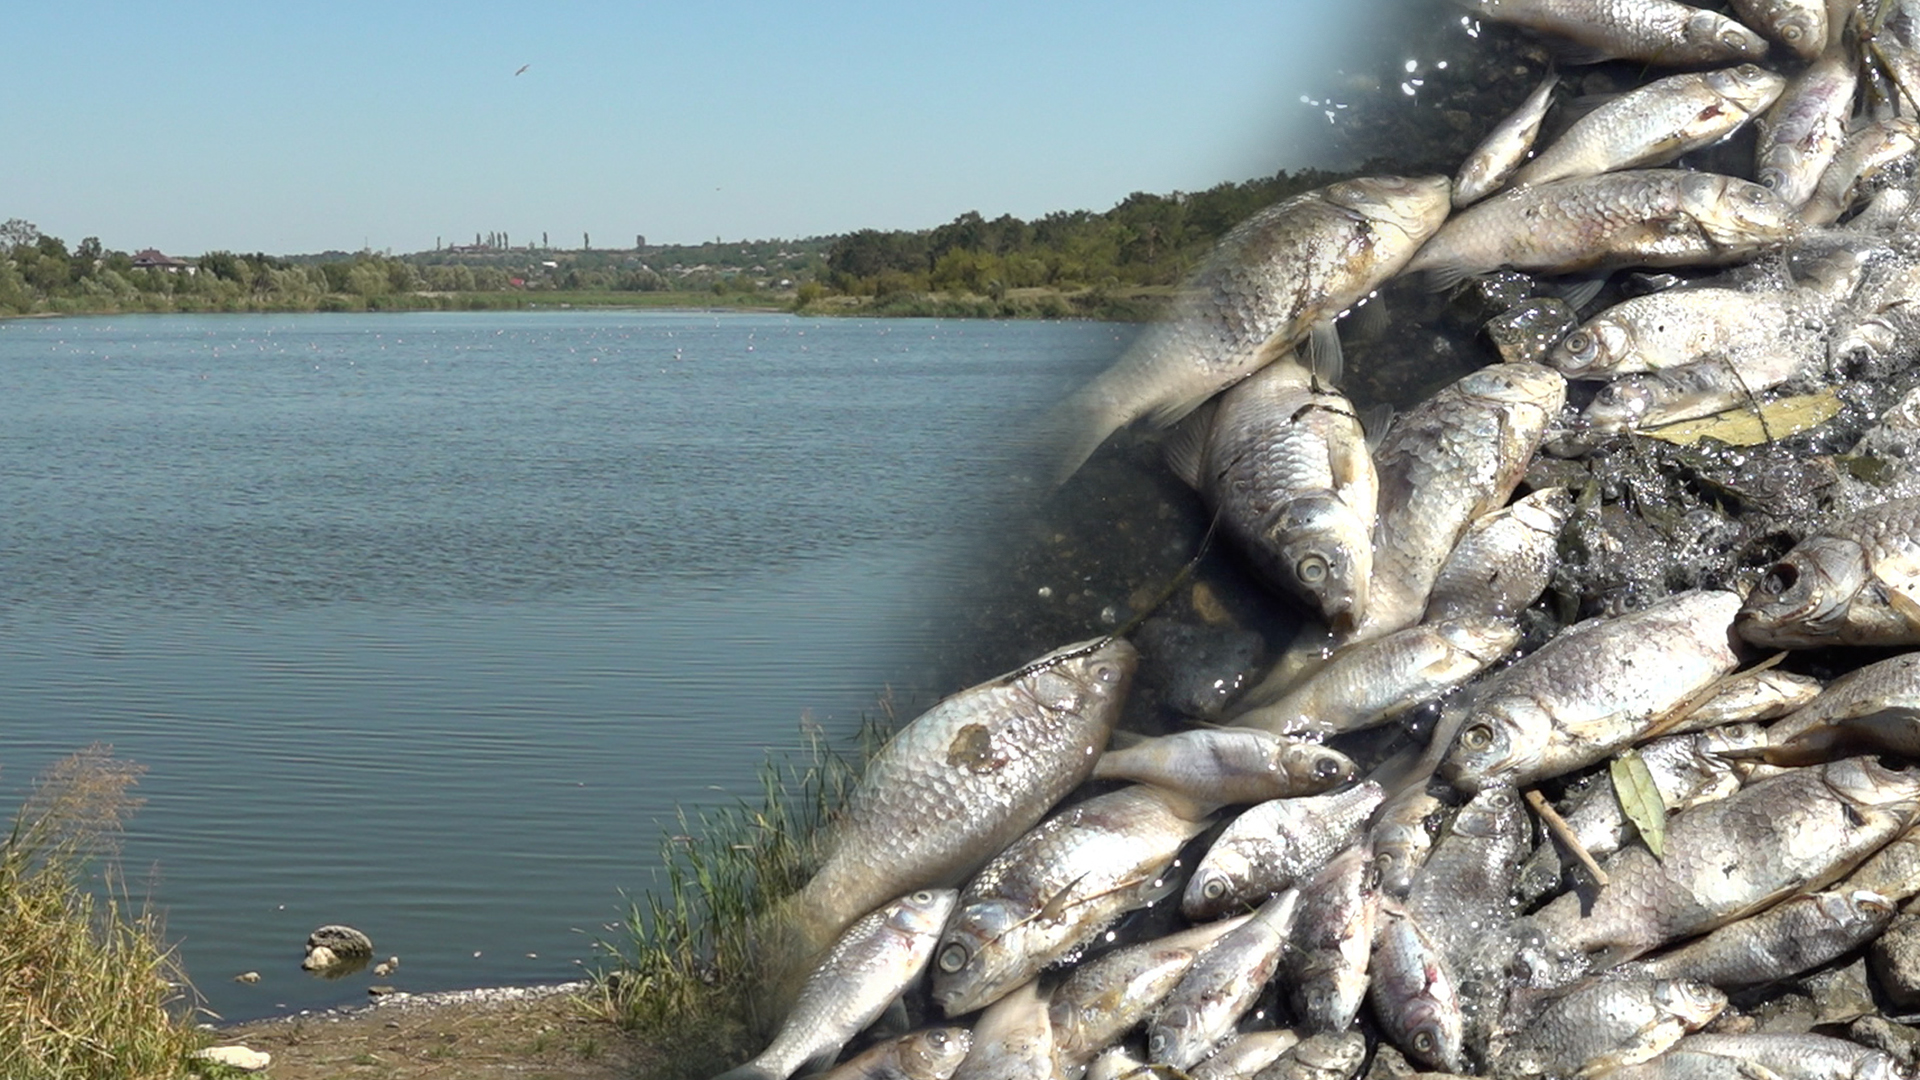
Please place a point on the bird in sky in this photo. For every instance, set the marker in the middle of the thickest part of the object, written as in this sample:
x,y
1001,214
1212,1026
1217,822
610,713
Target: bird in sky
x,y
523,69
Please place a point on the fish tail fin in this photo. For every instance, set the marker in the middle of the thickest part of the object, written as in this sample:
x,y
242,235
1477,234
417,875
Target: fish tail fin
x,y
789,939
1075,428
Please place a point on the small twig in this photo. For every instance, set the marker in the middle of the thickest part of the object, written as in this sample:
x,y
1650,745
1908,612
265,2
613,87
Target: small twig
x,y
1558,826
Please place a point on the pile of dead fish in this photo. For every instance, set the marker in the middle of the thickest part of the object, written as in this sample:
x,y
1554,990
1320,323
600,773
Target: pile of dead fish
x,y
1612,855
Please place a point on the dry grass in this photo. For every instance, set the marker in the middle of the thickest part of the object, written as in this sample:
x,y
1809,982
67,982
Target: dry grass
x,y
87,989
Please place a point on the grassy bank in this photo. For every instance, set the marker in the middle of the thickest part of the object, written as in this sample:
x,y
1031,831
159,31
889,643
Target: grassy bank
x,y
87,988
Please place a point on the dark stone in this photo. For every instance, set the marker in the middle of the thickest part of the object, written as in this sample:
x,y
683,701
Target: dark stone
x,y
346,942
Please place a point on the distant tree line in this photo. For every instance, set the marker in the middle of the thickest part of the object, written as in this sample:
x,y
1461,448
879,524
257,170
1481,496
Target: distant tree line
x,y
1145,241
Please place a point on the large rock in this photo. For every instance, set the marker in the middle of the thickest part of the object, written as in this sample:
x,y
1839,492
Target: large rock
x,y
346,942
236,1057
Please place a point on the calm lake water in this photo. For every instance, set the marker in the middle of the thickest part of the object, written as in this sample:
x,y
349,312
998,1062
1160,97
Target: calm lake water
x,y
426,623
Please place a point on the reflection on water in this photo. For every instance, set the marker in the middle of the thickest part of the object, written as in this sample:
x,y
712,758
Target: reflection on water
x,y
425,623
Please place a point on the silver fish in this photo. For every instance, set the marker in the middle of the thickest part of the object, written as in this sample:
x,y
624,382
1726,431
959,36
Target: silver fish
x,y
1794,936
1679,326
1245,1055
1877,706
876,959
1443,464
1402,839
1803,131
1275,845
1271,279
1012,1040
1855,582
1413,992
1798,1056
1640,217
1656,123
961,782
1504,148
1892,872
1286,466
1326,965
1596,687
1750,696
1104,998
1463,892
1800,25
1605,1023
1503,561
1369,683
1055,889
1690,391
929,1054
1218,766
1865,155
1652,31
1327,1056
1799,830
1220,986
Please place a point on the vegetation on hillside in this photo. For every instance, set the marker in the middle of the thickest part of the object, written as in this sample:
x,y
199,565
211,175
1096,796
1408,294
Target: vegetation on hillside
x,y
1118,264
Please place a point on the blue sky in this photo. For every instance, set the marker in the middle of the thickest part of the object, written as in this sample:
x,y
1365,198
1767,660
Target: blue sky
x,y
266,126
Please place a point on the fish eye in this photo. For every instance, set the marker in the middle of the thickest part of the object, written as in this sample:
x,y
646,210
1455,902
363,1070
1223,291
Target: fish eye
x,y
1157,1045
1582,345
1791,32
1477,737
1748,71
1501,800
1106,672
922,897
1733,38
938,1039
1778,580
953,957
1312,569
1423,1043
1326,768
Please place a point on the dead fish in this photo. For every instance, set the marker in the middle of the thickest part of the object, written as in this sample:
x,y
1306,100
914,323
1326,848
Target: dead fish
x,y
1803,131
1012,1040
1744,696
1651,31
1413,993
1503,561
1463,893
1402,838
1221,985
1656,123
1794,936
929,1054
1102,999
1269,281
1245,1055
1055,889
1702,388
1326,966
1217,766
1726,859
1673,327
1640,217
1285,465
1877,707
1866,154
1800,25
1855,582
1595,687
1369,683
1327,1056
1275,845
1797,1056
1504,148
1443,464
961,782
878,957
1605,1023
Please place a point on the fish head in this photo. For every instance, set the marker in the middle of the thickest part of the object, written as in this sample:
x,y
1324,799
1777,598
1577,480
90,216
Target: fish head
x,y
1480,641
933,1054
1176,1036
1737,215
1517,384
923,913
1210,891
1495,812
1312,767
1800,27
1085,677
1603,344
971,967
1692,1003
1803,599
1872,790
1621,405
1749,86
1706,33
1497,744
1323,552
1414,205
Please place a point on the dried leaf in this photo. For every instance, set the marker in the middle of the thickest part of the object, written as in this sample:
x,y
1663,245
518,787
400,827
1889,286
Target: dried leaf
x,y
1742,427
1633,786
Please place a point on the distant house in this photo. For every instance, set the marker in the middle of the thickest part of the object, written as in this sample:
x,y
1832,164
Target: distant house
x,y
152,259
